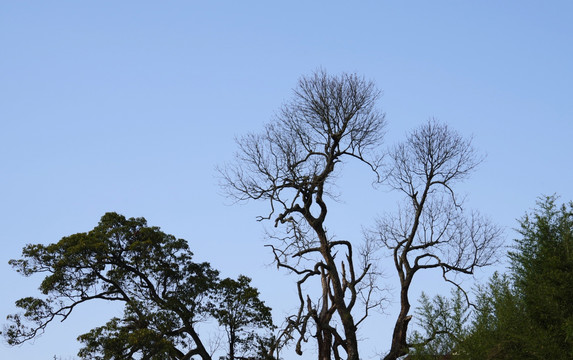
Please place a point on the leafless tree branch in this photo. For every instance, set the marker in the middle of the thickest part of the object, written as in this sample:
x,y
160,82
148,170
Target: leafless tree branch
x,y
291,165
431,230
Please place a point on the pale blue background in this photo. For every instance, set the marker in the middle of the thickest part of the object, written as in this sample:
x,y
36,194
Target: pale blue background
x,y
128,106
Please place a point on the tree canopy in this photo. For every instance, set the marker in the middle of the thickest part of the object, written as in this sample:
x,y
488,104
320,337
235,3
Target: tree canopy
x,y
240,311
165,294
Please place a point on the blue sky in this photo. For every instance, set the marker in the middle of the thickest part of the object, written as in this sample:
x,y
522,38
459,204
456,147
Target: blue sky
x,y
128,106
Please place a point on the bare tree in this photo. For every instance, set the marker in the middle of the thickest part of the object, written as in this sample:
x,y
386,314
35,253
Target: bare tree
x,y
432,230
291,165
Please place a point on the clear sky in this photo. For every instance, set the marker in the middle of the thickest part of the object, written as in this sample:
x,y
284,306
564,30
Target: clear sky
x,y
128,106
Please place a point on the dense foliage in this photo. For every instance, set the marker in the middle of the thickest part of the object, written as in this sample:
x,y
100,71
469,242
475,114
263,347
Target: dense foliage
x,y
165,294
240,311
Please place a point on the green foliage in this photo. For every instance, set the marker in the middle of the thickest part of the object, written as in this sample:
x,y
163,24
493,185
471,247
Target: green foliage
x,y
527,314
442,320
497,328
240,311
165,294
542,265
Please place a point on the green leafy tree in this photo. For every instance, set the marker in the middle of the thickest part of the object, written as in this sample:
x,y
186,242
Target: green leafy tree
x,y
165,294
443,321
499,328
242,314
529,315
495,329
542,265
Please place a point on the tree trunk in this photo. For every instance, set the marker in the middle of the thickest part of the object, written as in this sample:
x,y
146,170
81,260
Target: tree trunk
x,y
351,341
343,312
323,333
399,344
324,339
232,340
